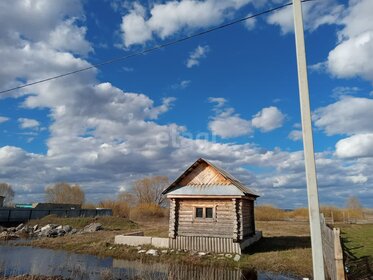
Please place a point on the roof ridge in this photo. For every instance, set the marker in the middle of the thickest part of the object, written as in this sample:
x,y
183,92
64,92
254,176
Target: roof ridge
x,y
224,173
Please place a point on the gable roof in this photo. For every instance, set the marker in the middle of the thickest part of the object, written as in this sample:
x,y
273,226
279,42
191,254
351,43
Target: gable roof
x,y
205,189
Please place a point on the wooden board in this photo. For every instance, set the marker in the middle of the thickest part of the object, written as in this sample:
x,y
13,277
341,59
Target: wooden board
x,y
204,174
206,244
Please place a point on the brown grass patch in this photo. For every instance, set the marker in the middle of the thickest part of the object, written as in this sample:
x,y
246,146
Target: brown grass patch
x,y
147,211
284,248
283,228
108,222
32,277
120,208
269,213
272,213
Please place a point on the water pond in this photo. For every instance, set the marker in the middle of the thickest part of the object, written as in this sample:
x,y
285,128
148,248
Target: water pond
x,y
16,260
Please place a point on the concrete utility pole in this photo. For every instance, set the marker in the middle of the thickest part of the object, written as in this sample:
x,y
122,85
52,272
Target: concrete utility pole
x,y
309,156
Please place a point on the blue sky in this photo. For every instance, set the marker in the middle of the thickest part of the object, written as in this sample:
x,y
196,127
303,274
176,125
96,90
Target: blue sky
x,y
230,96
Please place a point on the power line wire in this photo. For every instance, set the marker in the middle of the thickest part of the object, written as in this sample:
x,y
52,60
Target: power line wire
x,y
157,47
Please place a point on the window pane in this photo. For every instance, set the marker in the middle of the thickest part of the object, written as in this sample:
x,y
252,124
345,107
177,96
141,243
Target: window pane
x,y
199,212
208,212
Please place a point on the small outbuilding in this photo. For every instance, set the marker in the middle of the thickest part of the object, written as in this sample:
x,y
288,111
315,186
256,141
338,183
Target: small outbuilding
x,y
210,210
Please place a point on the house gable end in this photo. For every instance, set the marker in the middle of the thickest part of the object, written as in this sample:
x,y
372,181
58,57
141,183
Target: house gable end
x,y
203,174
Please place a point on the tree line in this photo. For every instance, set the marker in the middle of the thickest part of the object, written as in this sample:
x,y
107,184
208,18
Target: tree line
x,y
144,196
144,199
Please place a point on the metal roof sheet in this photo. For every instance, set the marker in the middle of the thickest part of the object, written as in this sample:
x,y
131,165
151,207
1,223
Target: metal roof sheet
x,y
210,190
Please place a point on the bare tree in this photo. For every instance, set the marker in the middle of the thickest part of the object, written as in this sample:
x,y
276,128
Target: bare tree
x,y
149,190
354,203
7,191
127,197
64,193
355,209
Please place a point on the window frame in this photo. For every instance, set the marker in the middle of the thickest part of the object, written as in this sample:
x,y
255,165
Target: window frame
x,y
195,212
204,218
212,212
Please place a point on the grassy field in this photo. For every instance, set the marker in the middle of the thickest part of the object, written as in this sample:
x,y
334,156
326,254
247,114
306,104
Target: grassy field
x,y
283,244
358,239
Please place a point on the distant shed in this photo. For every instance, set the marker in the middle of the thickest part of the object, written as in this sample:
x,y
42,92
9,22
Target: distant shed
x,y
210,210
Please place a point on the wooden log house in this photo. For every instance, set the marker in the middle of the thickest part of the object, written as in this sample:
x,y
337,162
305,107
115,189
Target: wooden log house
x,y
210,210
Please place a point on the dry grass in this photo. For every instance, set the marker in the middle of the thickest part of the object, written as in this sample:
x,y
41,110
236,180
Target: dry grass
x,y
89,243
147,211
120,208
342,214
283,245
296,261
108,222
272,213
283,228
32,277
298,214
269,213
155,227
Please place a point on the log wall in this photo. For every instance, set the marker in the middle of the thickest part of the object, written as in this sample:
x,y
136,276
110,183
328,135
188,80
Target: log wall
x,y
173,218
222,225
248,221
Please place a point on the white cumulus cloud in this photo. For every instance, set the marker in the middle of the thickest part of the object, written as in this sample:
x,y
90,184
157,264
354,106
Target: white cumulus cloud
x,y
3,119
168,18
182,84
250,23
28,123
358,179
103,137
226,123
195,56
134,27
295,135
315,14
268,119
353,55
219,101
228,126
349,115
359,145
69,37
39,35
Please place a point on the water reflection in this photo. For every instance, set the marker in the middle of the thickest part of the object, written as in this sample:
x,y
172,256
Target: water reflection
x,y
15,260
185,272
